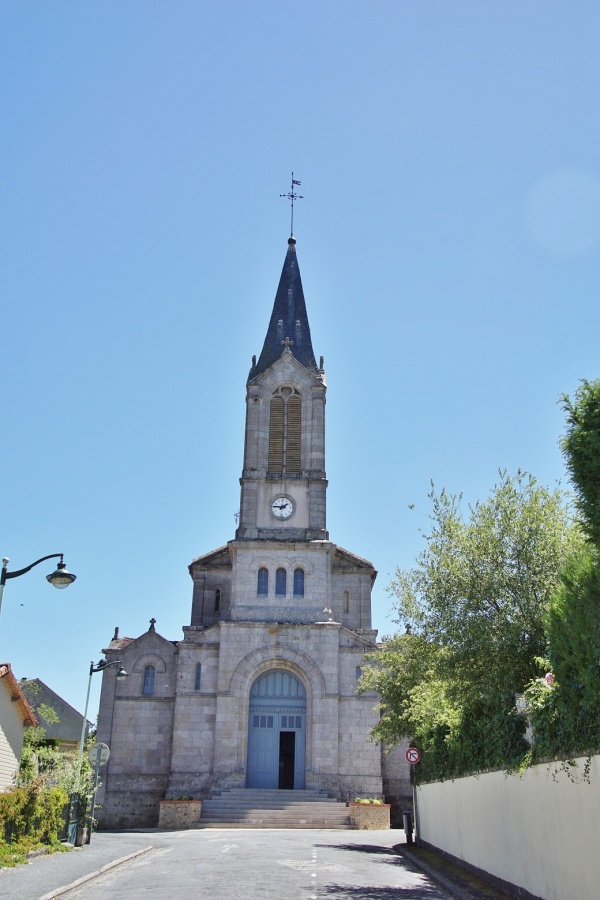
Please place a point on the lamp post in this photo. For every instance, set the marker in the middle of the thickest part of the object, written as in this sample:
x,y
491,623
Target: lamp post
x,y
100,667
61,578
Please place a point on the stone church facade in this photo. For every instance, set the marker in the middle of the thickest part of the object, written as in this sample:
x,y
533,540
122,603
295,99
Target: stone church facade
x,y
261,691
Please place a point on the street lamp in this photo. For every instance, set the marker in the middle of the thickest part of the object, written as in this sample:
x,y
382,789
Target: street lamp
x,y
59,579
121,674
102,665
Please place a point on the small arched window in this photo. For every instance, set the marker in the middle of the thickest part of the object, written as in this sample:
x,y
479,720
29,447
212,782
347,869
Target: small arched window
x,y
298,582
198,677
346,602
217,599
262,588
149,675
280,582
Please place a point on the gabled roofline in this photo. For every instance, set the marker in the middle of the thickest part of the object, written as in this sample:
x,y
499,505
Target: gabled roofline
x,y
18,695
206,558
62,699
316,374
119,645
356,560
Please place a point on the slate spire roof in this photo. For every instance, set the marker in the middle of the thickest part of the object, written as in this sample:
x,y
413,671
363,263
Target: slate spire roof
x,y
289,321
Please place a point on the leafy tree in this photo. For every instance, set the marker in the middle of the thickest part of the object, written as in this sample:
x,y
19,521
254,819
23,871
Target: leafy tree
x,y
474,605
482,584
398,674
566,714
581,447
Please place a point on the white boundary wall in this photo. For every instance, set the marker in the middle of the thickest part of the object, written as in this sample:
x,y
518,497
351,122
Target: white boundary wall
x,y
540,831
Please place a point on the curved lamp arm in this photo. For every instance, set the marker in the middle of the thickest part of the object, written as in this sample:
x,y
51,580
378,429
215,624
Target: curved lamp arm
x,y
59,579
100,667
6,575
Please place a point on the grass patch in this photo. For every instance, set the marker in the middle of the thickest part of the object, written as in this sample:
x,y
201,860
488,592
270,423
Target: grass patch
x,y
476,887
16,853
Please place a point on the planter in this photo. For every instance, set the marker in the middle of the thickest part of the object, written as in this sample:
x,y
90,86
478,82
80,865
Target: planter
x,y
370,816
81,837
179,814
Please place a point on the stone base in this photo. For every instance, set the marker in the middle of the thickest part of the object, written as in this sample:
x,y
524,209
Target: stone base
x,y
370,816
179,814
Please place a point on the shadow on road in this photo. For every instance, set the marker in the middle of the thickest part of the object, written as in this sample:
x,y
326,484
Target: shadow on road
x,y
356,892
360,848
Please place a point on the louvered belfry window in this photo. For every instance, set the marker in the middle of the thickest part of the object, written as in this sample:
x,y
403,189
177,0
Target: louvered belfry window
x,y
285,431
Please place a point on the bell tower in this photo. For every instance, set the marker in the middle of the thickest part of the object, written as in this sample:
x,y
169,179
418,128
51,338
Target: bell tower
x,y
283,483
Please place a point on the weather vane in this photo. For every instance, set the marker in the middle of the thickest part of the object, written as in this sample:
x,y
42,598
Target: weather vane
x,y
291,196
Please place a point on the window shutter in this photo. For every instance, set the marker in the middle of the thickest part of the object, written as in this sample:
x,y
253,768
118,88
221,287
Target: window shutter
x,y
276,430
293,435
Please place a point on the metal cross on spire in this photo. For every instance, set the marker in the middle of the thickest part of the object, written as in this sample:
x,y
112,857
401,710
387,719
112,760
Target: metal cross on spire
x,y
291,196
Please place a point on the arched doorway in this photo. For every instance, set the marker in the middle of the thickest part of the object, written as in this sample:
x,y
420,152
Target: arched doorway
x,y
277,732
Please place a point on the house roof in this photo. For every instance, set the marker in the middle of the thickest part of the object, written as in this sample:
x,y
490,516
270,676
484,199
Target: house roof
x,y
17,694
70,720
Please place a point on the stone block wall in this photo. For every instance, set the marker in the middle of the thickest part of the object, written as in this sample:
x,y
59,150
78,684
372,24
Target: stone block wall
x,y
370,816
397,788
179,814
131,802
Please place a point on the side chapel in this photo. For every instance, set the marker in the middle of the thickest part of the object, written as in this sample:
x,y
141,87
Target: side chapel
x,y
261,691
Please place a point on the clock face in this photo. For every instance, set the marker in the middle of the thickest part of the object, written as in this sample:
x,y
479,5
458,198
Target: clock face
x,y
282,507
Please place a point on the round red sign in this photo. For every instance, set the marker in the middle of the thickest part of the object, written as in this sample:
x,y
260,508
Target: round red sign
x,y
413,755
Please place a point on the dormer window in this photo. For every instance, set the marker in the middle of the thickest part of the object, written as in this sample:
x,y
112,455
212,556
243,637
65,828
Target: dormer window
x,y
285,426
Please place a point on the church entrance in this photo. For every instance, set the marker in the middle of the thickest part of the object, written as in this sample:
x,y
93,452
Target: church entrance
x,y
277,732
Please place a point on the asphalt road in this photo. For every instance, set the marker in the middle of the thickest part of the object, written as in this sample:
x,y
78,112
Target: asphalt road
x,y
237,865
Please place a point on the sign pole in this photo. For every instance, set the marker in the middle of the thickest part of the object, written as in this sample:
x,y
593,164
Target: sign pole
x,y
413,778
413,757
99,756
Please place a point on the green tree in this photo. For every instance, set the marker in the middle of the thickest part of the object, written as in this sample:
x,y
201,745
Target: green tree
x,y
474,605
482,584
566,715
581,447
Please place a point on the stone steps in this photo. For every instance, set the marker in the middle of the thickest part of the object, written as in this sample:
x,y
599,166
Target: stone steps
x,y
252,808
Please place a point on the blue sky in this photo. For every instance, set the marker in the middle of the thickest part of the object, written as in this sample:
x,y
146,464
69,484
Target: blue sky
x,y
449,242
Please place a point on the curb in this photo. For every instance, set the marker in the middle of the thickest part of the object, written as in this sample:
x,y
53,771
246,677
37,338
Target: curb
x,y
85,878
441,880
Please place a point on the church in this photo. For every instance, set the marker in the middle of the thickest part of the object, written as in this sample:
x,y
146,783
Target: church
x,y
261,690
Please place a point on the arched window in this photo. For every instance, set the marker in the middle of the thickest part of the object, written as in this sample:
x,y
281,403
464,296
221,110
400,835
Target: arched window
x,y
285,427
149,674
217,599
280,582
198,677
298,582
346,602
263,582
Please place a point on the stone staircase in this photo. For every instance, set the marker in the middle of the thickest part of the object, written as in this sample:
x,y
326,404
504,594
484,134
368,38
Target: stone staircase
x,y
257,808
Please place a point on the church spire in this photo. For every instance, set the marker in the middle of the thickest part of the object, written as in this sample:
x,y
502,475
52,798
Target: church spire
x,y
289,326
